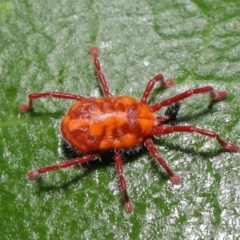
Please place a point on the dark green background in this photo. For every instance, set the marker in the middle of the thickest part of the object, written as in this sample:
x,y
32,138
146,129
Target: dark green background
x,y
45,46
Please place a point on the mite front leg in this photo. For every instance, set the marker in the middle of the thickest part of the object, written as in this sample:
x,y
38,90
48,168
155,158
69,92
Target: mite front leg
x,y
151,83
214,95
95,54
32,96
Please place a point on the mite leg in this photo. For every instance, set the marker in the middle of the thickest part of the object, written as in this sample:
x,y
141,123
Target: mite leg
x,y
119,168
150,86
154,152
190,129
32,96
214,95
35,173
95,53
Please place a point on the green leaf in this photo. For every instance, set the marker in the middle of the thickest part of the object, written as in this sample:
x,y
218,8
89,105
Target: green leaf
x,y
45,47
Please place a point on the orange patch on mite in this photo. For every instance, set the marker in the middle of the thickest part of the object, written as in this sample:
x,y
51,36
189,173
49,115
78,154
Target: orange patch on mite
x,y
97,128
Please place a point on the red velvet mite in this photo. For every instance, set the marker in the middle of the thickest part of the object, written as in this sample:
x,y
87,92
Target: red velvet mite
x,y
109,123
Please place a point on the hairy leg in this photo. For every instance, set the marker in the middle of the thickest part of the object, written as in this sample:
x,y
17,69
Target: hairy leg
x,y
151,83
154,152
191,129
35,173
208,89
32,96
119,168
95,53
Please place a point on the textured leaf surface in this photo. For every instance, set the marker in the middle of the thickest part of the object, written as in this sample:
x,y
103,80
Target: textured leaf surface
x,y
45,46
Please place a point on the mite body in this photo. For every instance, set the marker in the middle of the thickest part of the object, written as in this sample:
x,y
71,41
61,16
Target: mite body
x,y
99,124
